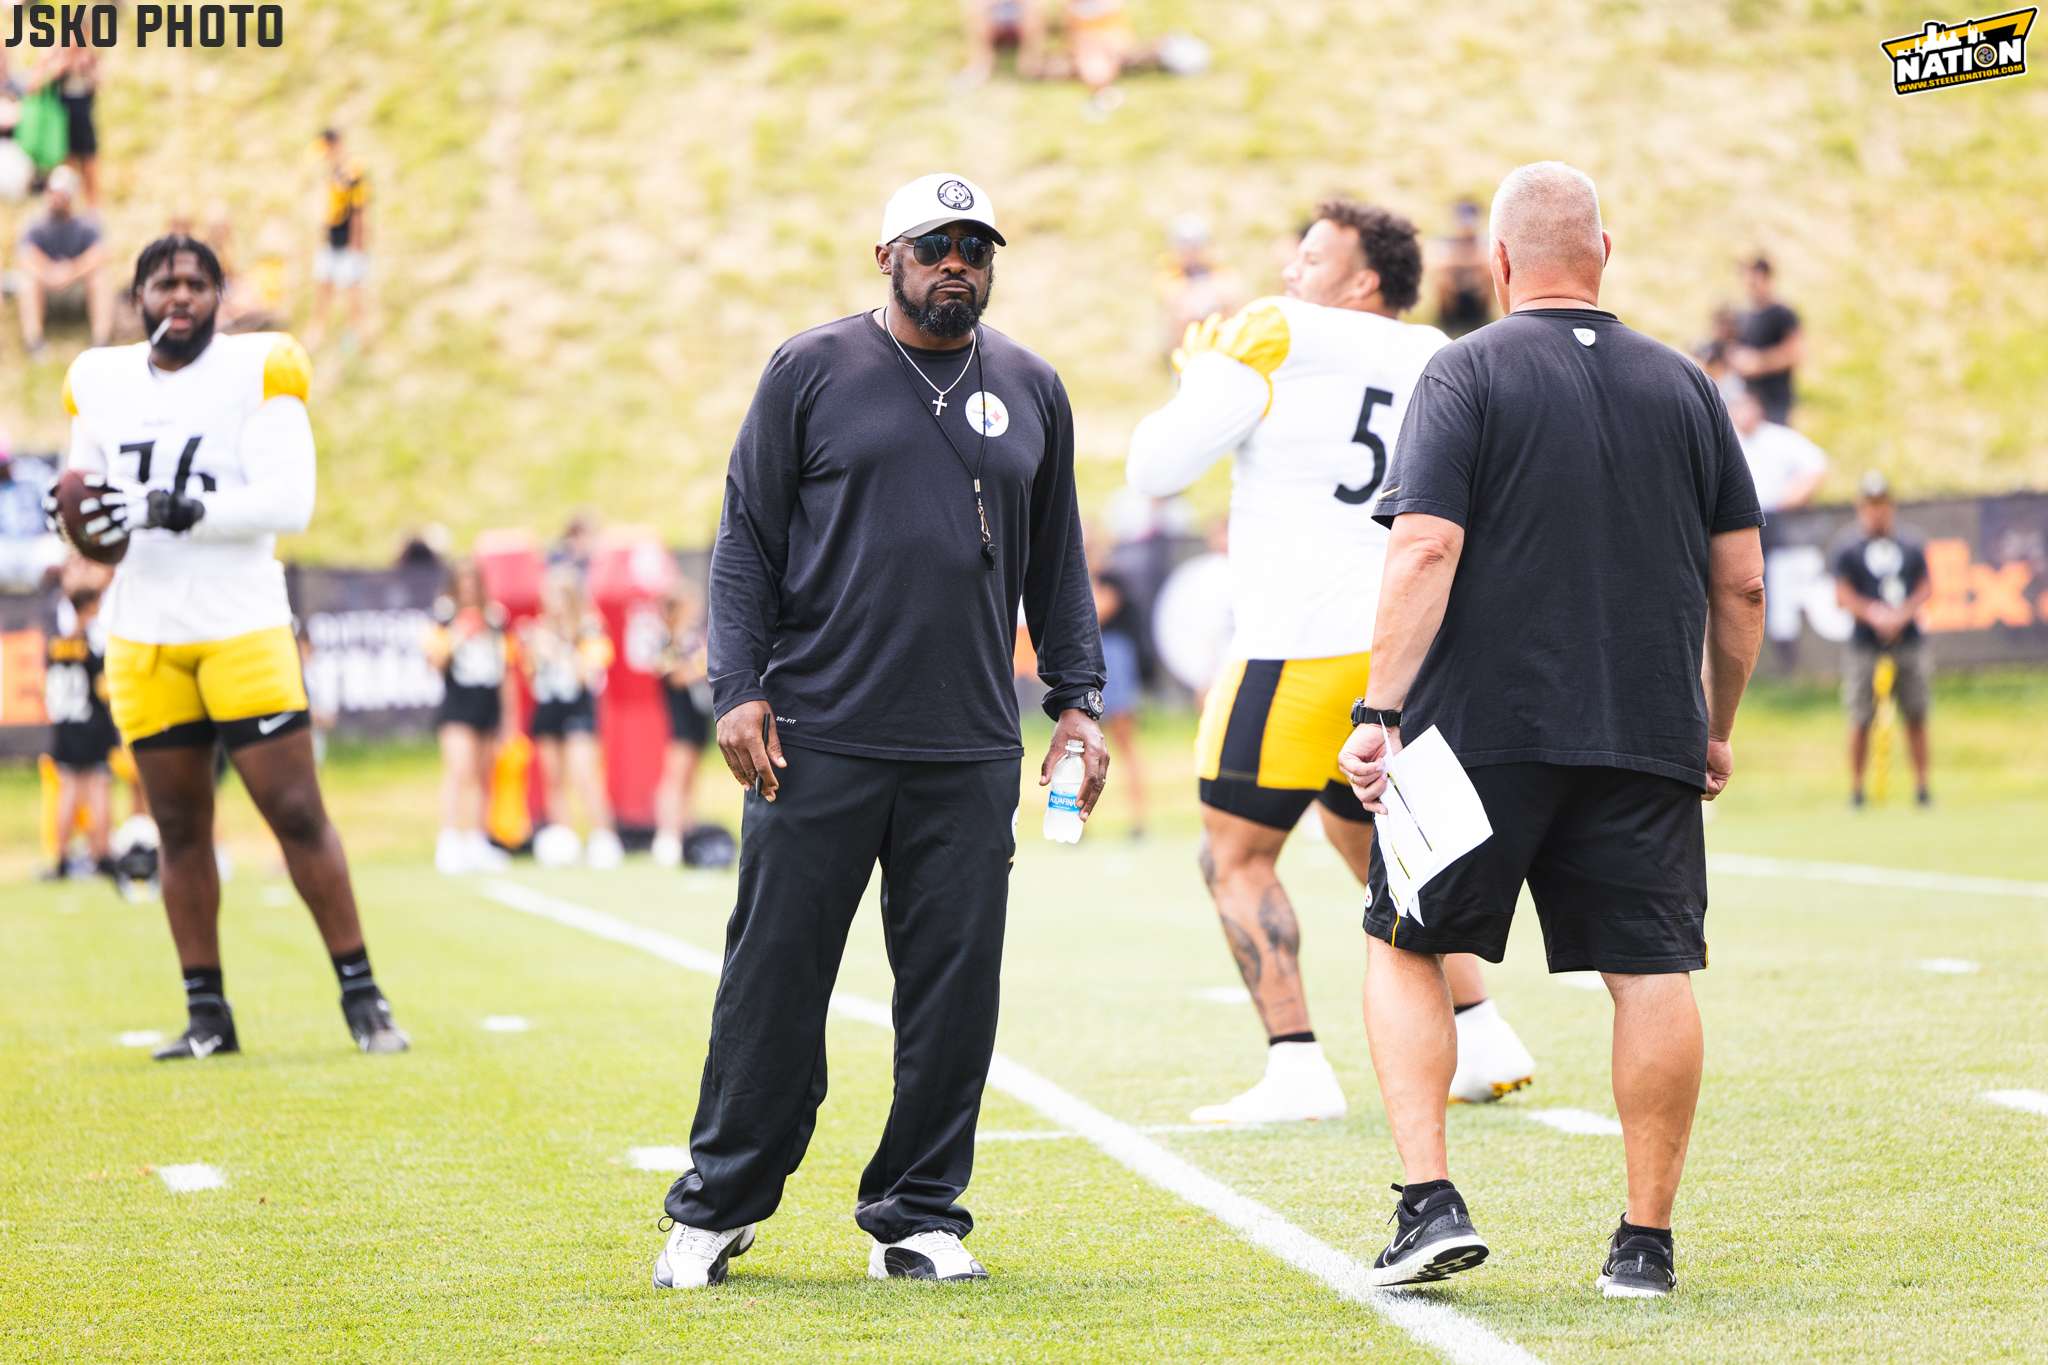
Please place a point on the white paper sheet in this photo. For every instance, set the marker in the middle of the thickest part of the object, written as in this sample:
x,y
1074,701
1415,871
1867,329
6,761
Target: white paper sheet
x,y
1433,818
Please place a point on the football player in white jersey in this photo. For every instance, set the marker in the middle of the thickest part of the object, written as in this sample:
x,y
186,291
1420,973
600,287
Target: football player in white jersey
x,y
200,454
1308,392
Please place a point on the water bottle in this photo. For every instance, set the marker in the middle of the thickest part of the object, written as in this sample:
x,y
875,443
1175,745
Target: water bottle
x,y
1063,807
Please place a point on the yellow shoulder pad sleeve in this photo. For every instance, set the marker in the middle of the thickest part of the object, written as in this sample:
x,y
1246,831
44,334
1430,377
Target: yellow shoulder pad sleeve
x,y
1257,337
287,370
70,403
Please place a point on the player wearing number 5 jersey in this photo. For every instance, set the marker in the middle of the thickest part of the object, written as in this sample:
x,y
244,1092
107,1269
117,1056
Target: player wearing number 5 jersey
x,y
1307,391
204,455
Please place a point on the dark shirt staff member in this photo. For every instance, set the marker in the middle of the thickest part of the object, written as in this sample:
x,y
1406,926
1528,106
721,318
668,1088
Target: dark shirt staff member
x,y
904,477
1574,596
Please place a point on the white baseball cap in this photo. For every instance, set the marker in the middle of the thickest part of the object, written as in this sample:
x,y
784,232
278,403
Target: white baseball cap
x,y
934,201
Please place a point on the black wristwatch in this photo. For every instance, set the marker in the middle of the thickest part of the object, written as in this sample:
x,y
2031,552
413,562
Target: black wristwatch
x,y
1091,704
1361,714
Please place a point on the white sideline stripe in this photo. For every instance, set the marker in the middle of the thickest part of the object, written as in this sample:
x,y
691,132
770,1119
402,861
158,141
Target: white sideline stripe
x,y
1224,995
2026,1101
505,1023
675,1160
1021,1135
1863,874
1949,966
1584,981
141,1037
186,1179
1461,1339
1578,1122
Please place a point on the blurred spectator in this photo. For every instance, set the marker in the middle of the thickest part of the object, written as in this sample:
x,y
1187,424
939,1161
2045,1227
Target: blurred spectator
x,y
1190,283
1787,468
1100,42
688,691
579,537
252,298
467,644
1464,283
993,24
1881,579
1769,345
62,263
425,547
566,655
1712,354
28,548
76,74
343,260
1117,612
82,732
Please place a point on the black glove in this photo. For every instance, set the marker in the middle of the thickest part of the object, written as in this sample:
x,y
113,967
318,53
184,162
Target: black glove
x,y
173,511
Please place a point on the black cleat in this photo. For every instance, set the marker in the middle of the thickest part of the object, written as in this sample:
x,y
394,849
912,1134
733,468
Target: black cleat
x,y
1638,1267
209,1032
370,1023
1431,1242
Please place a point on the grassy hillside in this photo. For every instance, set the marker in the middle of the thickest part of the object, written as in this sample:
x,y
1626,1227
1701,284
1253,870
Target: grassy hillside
x,y
595,221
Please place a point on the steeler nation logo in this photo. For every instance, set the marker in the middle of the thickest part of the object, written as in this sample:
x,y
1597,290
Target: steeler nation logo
x,y
1961,53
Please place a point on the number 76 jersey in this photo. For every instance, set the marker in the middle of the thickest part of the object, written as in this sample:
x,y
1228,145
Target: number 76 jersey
x,y
1310,400
230,429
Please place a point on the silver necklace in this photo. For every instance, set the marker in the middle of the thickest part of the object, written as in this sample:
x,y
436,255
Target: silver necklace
x,y
939,403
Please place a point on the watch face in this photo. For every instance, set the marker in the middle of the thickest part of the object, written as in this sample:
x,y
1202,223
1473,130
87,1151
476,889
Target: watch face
x,y
1092,702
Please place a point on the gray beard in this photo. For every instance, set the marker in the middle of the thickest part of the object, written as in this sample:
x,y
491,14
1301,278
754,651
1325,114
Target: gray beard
x,y
947,318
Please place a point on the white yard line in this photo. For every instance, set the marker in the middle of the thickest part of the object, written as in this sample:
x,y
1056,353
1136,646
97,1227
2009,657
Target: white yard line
x,y
1458,1337
1863,874
187,1179
1577,1122
2026,1101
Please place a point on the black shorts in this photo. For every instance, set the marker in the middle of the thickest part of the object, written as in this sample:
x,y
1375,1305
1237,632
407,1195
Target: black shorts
x,y
82,746
1280,807
1616,861
230,735
84,137
480,708
686,723
555,719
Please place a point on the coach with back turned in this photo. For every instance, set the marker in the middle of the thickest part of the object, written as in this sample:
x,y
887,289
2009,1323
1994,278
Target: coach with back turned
x,y
904,478
1574,598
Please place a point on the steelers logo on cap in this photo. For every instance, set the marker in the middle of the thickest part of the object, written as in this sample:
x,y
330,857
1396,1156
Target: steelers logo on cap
x,y
954,194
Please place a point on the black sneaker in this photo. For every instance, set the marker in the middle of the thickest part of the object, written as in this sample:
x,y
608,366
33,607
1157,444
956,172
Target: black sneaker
x,y
1638,1267
210,1031
1431,1242
370,1023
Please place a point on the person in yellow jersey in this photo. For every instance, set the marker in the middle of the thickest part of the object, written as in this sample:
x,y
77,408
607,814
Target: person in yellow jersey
x,y
1307,391
199,452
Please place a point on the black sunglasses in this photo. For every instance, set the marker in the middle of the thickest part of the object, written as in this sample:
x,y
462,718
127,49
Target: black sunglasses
x,y
934,247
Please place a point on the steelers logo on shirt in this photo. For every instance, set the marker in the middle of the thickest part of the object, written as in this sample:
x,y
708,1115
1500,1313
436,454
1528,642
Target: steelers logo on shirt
x,y
986,413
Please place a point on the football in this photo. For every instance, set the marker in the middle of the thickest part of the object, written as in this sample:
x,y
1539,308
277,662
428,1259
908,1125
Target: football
x,y
72,492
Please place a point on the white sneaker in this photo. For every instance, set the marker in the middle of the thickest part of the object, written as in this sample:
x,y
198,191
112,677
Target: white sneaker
x,y
485,856
1491,1060
556,846
451,854
1299,1084
924,1256
667,850
694,1258
603,851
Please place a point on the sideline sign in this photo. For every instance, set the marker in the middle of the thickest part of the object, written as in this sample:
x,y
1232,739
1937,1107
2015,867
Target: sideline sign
x,y
1962,53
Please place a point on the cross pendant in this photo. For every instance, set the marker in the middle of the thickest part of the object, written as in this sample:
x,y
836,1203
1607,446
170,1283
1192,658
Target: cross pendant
x,y
939,406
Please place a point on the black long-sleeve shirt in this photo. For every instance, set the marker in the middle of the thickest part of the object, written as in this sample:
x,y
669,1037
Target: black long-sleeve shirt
x,y
848,585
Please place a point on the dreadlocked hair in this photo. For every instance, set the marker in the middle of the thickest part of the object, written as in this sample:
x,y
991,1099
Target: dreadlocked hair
x,y
160,253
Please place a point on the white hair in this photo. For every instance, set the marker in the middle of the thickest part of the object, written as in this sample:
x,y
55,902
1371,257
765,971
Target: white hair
x,y
1548,214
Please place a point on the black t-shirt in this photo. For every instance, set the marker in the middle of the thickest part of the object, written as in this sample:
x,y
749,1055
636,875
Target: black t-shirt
x,y
1889,569
1590,466
848,585
62,239
1763,328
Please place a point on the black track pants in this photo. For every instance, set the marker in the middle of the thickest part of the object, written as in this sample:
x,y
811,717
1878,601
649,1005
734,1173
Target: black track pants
x,y
944,834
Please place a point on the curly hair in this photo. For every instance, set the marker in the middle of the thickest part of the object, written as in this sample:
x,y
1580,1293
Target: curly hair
x,y
1390,246
163,250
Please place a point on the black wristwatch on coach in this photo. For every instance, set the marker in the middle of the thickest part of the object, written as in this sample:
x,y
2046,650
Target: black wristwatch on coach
x,y
1091,704
1361,714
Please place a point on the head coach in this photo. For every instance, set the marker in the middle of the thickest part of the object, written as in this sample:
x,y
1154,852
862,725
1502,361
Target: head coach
x,y
904,478
1574,597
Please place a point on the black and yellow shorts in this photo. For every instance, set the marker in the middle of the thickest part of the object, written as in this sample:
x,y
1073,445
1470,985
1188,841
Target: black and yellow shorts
x,y
1269,738
235,691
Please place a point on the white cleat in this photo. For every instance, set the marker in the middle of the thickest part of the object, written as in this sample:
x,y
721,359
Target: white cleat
x,y
931,1255
695,1258
556,846
451,854
485,856
667,850
1491,1060
1299,1085
603,851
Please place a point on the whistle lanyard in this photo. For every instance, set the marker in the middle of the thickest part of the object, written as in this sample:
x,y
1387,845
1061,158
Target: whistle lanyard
x,y
988,545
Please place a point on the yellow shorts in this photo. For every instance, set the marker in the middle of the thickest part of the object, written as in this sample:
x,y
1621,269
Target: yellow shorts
x,y
179,696
1277,724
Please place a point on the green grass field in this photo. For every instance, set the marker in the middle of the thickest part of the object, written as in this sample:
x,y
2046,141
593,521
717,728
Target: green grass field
x,y
1850,1196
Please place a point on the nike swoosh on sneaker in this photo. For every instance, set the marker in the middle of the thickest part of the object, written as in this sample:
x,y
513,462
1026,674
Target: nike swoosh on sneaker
x,y
270,723
203,1047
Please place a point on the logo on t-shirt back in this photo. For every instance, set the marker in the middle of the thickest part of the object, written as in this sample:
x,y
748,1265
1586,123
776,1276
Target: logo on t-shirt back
x,y
1586,335
1961,53
986,412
